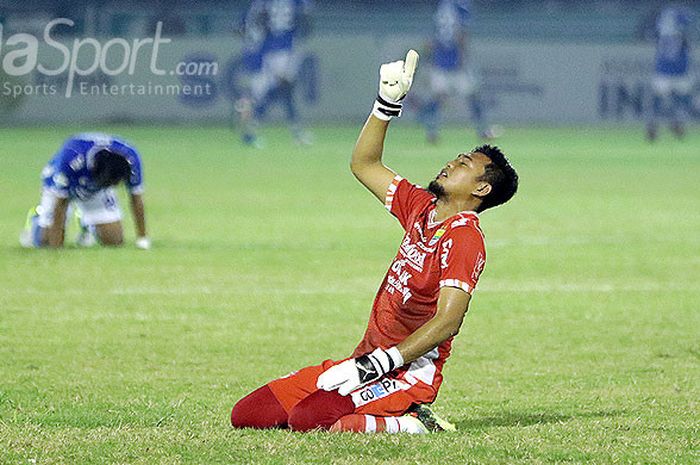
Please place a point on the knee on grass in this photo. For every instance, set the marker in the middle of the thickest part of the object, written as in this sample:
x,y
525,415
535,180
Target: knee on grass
x,y
259,409
320,410
110,234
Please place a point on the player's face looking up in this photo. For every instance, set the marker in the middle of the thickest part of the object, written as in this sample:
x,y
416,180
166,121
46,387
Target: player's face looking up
x,y
461,177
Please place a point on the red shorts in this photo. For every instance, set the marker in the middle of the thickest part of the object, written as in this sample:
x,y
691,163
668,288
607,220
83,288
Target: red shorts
x,y
391,395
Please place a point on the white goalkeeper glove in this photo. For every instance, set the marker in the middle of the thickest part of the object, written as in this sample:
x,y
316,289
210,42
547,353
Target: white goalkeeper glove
x,y
143,243
356,372
395,80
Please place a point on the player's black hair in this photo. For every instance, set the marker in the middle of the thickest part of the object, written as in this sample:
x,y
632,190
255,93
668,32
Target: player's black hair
x,y
500,174
110,168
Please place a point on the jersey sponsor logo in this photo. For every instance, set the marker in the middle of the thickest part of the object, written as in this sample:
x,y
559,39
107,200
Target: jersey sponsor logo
x,y
77,163
418,228
378,390
410,251
421,244
446,247
478,267
400,281
425,248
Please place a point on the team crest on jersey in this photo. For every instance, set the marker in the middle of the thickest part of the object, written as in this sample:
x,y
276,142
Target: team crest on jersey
x,y
436,237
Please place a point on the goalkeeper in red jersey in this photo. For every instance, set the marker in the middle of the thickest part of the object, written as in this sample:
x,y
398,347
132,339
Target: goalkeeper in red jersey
x,y
396,370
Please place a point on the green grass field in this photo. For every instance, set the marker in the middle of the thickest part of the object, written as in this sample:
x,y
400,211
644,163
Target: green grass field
x,y
581,346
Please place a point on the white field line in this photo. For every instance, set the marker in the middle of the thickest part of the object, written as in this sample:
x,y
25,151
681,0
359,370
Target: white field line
x,y
572,240
545,240
490,287
543,287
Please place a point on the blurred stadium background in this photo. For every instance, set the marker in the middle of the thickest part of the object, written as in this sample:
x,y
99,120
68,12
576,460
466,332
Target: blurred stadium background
x,y
540,62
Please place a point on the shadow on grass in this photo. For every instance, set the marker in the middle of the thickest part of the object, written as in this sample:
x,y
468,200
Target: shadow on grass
x,y
530,418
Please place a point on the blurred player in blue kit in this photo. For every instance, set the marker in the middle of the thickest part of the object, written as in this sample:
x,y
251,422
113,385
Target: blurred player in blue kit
x,y
82,175
452,71
672,82
252,31
271,30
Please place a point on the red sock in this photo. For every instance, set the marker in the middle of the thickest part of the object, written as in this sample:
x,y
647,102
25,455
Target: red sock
x,y
259,409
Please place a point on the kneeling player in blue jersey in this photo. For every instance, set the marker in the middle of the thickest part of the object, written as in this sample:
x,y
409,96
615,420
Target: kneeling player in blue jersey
x,y
82,175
